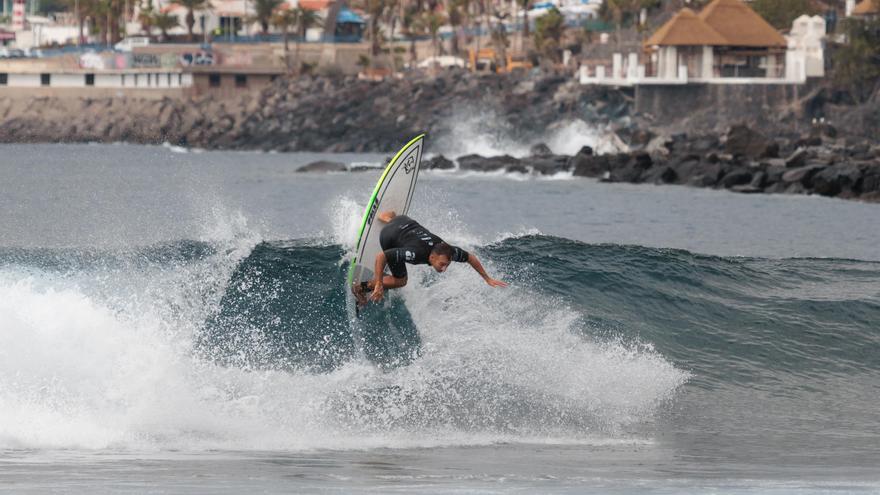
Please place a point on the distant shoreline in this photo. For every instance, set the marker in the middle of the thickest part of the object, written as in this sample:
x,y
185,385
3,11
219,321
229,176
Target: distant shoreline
x,y
780,150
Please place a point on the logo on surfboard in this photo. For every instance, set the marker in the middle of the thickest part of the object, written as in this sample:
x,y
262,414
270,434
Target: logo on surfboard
x,y
410,164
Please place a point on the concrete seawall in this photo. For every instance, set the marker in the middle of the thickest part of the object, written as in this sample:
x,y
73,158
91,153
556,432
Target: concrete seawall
x,y
711,103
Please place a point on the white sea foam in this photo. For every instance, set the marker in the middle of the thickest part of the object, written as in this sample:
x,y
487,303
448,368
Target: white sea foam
x,y
484,133
105,359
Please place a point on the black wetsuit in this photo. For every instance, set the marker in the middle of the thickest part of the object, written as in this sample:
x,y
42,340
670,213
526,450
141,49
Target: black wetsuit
x,y
405,241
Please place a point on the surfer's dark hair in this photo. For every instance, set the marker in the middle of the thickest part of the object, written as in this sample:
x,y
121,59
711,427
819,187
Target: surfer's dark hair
x,y
442,249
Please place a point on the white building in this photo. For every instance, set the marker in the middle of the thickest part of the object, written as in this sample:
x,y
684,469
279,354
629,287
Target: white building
x,y
806,43
725,43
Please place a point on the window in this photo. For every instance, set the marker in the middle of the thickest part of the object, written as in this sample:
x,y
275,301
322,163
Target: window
x,y
123,80
90,79
180,79
214,80
149,79
169,79
4,79
45,79
240,81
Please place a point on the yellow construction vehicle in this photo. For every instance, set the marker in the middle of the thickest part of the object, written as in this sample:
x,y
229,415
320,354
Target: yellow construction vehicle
x,y
486,60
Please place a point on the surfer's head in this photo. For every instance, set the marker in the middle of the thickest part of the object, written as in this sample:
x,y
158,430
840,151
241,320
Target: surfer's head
x,y
440,257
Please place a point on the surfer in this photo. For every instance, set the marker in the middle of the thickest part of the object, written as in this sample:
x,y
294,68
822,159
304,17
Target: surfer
x,y
403,241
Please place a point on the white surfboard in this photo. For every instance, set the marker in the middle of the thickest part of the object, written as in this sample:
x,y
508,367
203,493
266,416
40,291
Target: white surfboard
x,y
393,192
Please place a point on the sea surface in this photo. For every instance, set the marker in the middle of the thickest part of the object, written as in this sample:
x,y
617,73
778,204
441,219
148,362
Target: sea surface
x,y
176,321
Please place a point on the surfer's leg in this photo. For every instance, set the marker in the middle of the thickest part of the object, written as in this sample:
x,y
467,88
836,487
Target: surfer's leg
x,y
392,282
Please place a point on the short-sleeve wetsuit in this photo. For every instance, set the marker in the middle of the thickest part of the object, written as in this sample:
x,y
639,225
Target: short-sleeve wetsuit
x,y
405,241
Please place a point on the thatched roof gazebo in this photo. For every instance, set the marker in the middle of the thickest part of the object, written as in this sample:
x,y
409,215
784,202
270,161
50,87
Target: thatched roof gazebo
x,y
867,8
726,39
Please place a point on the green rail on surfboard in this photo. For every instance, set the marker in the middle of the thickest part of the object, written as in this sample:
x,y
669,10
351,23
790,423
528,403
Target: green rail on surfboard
x,y
394,191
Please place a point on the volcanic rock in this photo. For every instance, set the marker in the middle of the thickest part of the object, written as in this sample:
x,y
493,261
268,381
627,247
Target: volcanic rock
x,y
323,167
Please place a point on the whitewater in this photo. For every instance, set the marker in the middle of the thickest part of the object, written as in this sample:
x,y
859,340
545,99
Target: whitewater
x,y
168,316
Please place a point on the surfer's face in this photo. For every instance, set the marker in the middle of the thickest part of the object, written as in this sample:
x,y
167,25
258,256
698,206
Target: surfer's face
x,y
440,263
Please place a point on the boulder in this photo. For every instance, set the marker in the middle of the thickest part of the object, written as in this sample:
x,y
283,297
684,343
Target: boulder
x,y
746,189
797,159
585,150
774,174
643,160
547,165
704,144
662,174
627,168
808,141
540,149
759,180
438,162
323,166
871,179
589,165
480,163
687,167
744,141
707,176
802,175
771,151
518,168
736,177
835,179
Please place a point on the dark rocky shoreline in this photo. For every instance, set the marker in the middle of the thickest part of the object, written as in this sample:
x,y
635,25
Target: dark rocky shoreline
x,y
311,113
348,115
742,161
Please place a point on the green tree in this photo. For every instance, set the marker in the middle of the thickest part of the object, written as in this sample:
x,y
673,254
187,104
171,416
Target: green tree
x,y
145,16
300,20
457,17
548,33
376,10
191,6
286,20
263,12
781,13
524,5
857,63
164,21
433,21
412,26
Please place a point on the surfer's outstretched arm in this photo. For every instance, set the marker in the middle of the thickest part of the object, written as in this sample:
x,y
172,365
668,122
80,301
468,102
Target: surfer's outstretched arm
x,y
476,265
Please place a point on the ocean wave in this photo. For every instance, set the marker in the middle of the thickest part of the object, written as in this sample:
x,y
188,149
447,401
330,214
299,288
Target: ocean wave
x,y
196,345
191,346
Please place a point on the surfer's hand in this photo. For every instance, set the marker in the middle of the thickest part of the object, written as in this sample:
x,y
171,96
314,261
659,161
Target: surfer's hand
x,y
495,283
377,294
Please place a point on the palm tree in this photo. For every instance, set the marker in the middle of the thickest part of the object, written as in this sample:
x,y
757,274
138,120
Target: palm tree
x,y
433,21
165,21
145,16
411,26
305,19
524,5
191,6
263,11
285,18
375,9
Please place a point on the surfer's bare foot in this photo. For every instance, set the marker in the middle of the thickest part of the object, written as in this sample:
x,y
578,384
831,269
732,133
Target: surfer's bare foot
x,y
359,295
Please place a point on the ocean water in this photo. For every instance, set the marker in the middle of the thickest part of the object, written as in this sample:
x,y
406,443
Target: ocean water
x,y
175,321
